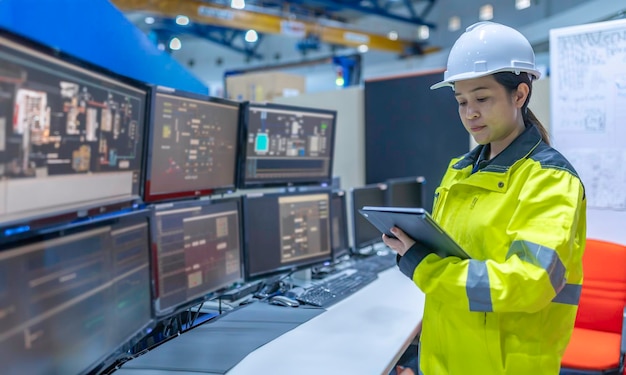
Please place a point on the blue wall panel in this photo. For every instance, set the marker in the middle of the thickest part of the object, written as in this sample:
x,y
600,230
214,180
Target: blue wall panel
x,y
96,31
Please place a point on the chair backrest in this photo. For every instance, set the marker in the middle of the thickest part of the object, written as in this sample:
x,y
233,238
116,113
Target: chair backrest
x,y
603,295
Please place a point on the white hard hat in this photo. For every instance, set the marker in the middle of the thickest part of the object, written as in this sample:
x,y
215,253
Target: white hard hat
x,y
486,48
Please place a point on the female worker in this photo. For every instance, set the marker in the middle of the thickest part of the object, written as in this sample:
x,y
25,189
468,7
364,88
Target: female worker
x,y
518,209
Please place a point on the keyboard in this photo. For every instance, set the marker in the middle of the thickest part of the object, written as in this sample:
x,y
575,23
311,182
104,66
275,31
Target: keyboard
x,y
329,292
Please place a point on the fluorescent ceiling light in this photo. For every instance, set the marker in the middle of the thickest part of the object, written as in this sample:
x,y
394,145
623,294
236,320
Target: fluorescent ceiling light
x,y
175,44
522,4
423,32
485,12
238,4
454,23
182,20
251,36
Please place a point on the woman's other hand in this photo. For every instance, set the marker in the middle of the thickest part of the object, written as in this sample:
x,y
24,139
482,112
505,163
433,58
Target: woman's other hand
x,y
401,243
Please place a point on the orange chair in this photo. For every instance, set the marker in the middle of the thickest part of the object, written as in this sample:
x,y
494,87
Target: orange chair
x,y
598,344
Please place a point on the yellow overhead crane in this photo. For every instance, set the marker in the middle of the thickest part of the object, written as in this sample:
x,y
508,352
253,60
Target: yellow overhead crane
x,y
213,14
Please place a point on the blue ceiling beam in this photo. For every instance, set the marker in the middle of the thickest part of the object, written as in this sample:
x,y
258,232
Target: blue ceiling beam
x,y
377,8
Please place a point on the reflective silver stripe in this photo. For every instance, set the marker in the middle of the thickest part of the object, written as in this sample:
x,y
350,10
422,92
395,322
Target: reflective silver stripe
x,y
569,295
543,257
477,288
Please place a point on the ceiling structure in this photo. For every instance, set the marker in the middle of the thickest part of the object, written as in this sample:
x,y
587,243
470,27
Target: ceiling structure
x,y
310,23
309,32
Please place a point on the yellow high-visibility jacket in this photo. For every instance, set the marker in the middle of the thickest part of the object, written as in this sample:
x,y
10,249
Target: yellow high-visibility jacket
x,y
510,309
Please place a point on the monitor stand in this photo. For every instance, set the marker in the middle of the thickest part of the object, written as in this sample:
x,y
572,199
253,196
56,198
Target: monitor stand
x,y
302,277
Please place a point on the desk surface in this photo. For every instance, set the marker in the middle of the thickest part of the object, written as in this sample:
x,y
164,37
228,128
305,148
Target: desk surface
x,y
365,333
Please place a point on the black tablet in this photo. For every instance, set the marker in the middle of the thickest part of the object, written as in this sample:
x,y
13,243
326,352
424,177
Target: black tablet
x,y
418,224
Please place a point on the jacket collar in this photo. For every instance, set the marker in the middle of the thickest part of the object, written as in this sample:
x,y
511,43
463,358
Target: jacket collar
x,y
518,149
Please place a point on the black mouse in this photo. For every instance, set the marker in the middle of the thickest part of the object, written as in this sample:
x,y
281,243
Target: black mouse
x,y
284,301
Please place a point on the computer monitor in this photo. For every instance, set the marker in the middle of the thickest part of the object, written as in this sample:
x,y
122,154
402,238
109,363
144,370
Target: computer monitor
x,y
285,232
72,134
286,145
192,149
73,297
365,234
405,192
339,225
197,251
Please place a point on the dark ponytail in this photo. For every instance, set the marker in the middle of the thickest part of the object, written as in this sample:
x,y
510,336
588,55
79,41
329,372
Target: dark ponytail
x,y
510,81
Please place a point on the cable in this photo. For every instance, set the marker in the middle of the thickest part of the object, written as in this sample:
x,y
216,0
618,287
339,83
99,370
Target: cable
x,y
197,313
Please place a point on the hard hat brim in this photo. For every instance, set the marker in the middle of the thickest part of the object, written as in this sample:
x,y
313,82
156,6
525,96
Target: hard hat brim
x,y
461,77
441,84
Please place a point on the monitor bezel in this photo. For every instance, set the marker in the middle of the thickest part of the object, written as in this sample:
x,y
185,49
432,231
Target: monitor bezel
x,y
243,183
25,225
149,197
355,214
336,255
391,182
165,206
289,268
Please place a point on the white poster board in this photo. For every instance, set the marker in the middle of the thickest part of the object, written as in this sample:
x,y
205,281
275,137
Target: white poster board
x,y
588,107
